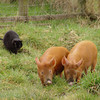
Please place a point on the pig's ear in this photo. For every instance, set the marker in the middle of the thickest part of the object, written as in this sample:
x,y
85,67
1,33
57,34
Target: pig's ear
x,y
37,61
52,62
79,63
65,61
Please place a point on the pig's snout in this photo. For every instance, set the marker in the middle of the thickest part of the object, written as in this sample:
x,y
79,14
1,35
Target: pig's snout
x,y
48,82
70,80
71,83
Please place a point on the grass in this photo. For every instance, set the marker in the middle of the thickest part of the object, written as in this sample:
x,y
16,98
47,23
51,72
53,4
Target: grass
x,y
18,73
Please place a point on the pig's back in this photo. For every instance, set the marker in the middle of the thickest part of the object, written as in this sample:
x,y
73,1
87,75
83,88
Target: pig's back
x,y
86,50
56,52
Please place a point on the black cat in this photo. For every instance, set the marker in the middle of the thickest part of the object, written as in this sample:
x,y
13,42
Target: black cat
x,y
12,42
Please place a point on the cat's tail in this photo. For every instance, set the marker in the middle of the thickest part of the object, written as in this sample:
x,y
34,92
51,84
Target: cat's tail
x,y
1,39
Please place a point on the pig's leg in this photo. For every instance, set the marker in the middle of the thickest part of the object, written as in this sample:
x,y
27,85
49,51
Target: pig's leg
x,y
85,70
78,77
61,74
93,67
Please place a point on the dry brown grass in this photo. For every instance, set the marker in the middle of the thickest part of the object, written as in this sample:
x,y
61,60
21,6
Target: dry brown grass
x,y
70,39
73,6
66,6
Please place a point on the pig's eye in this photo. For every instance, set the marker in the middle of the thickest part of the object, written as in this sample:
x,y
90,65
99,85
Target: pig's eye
x,y
50,71
42,73
67,72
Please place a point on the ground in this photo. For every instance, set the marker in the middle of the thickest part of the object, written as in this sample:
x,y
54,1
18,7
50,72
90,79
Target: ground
x,y
18,73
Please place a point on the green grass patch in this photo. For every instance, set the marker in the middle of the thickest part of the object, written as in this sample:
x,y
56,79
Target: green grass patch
x,y
18,73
